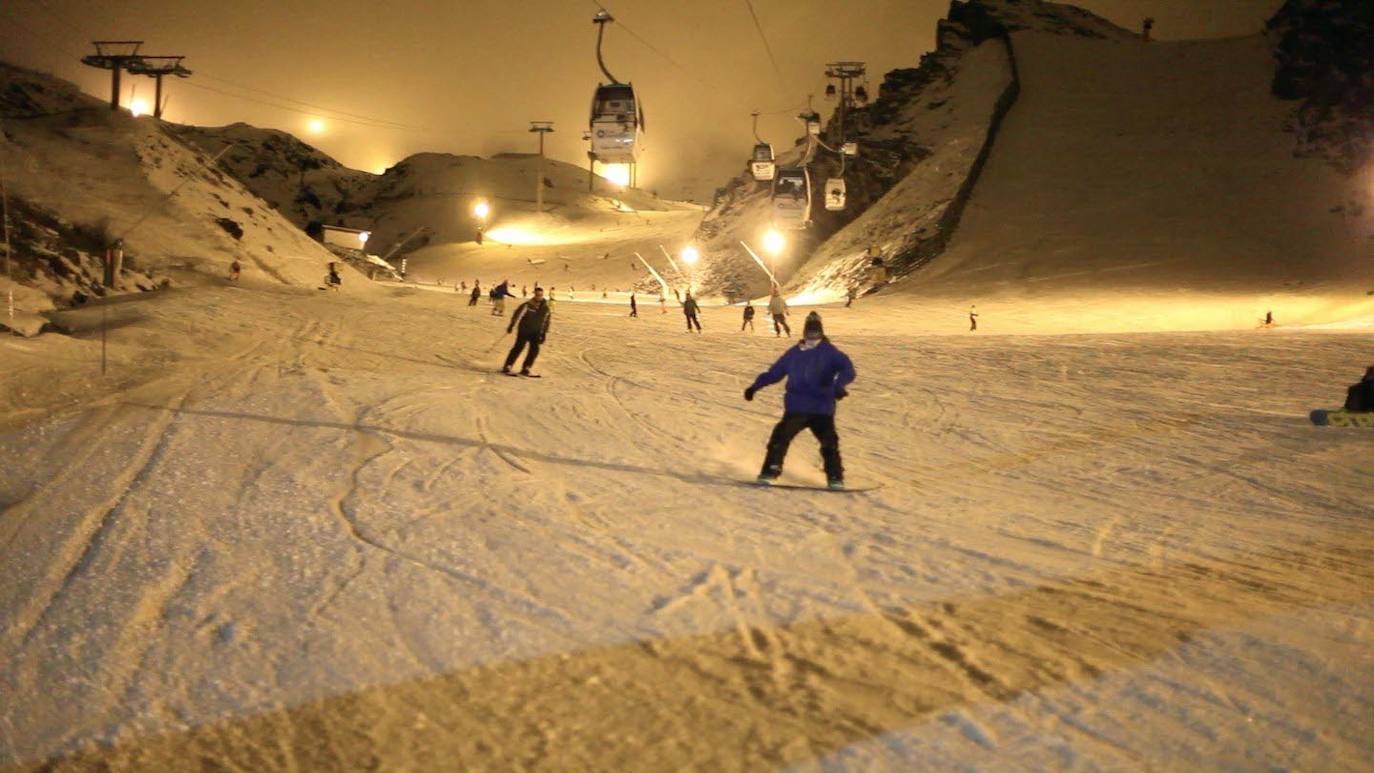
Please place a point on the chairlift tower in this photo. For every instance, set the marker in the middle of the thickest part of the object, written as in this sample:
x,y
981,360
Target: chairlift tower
x,y
156,67
541,128
846,73
115,56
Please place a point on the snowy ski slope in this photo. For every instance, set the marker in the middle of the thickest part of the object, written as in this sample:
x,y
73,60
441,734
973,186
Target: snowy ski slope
x,y
327,535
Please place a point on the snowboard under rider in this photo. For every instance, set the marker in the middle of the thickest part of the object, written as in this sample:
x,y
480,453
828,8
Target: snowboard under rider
x,y
532,317
1359,398
817,373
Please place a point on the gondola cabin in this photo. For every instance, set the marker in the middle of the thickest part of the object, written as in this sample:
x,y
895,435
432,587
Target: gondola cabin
x,y
791,198
616,124
761,164
834,194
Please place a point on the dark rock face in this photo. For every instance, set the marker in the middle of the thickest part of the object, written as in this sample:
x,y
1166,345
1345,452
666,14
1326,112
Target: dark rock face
x,y
1325,58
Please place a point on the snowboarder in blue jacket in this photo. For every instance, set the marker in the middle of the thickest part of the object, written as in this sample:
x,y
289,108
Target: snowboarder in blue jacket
x,y
817,374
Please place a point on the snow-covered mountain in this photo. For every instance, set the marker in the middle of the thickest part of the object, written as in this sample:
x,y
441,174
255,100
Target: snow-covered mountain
x,y
997,165
433,191
923,133
79,175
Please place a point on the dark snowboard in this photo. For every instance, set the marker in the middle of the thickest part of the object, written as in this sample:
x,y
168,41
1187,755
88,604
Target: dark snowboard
x,y
849,488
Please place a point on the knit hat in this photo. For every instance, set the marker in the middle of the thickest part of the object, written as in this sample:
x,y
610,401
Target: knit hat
x,y
812,328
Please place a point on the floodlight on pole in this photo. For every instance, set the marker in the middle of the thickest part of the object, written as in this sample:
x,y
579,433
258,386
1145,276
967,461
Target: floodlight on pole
x,y
690,254
363,236
482,210
774,242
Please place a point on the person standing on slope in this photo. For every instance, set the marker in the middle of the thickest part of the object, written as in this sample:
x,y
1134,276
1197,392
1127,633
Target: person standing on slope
x,y
972,319
634,307
690,309
777,309
533,317
817,374
498,298
476,293
748,316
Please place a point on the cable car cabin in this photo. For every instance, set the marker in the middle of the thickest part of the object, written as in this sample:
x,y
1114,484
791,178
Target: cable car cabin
x,y
761,165
834,194
616,124
791,198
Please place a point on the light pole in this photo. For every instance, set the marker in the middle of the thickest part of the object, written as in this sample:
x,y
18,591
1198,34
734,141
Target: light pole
x,y
541,128
481,210
774,243
689,256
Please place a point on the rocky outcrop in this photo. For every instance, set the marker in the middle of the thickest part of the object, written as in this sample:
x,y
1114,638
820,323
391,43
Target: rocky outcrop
x,y
1325,58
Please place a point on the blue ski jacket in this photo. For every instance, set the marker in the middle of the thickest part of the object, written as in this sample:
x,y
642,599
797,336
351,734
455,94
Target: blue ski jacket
x,y
813,376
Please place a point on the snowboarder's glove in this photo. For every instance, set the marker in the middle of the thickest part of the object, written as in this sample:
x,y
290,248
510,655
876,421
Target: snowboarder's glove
x,y
749,394
841,393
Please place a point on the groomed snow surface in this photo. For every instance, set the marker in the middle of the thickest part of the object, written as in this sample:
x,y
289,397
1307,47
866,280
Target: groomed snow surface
x,y
299,530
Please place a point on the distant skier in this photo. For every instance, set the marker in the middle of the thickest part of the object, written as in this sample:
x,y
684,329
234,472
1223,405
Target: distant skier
x,y
333,281
234,269
972,319
849,296
1268,319
634,307
1360,397
690,309
533,318
777,309
748,317
662,304
524,291
817,374
498,298
476,293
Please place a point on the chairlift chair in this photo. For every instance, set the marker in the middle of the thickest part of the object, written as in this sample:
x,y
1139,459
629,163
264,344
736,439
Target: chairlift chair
x,y
791,198
761,164
834,194
617,121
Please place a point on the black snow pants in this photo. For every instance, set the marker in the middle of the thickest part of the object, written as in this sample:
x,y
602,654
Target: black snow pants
x,y
692,320
520,340
780,324
822,425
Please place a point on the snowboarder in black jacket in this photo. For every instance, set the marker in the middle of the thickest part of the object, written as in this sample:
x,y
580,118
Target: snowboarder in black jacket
x,y
690,309
1360,397
476,293
748,317
533,317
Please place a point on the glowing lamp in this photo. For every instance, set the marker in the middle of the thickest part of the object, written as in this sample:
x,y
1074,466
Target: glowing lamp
x,y
315,126
138,107
363,237
774,241
481,209
690,255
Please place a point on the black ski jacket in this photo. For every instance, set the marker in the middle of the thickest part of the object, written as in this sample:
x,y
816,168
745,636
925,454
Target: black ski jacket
x,y
533,319
748,312
689,307
1361,396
